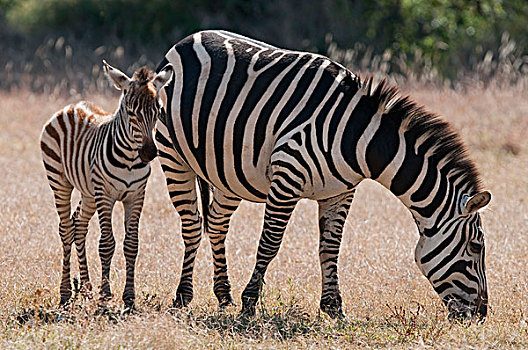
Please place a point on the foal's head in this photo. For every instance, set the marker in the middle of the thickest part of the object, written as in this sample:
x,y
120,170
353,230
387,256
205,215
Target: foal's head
x,y
141,101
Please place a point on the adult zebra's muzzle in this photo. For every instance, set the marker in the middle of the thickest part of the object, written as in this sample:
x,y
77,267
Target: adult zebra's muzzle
x,y
148,152
482,306
463,311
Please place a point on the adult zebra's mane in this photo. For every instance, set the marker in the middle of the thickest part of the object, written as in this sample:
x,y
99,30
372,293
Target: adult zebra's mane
x,y
419,122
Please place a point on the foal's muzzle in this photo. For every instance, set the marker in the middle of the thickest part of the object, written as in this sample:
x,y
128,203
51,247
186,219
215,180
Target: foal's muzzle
x,y
148,152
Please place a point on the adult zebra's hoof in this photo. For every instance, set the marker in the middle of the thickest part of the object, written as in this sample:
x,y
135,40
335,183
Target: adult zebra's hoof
x,y
225,301
335,314
332,306
184,295
181,300
248,307
105,296
222,291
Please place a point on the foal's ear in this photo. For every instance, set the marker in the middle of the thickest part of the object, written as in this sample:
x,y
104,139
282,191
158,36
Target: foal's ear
x,y
476,202
163,77
120,79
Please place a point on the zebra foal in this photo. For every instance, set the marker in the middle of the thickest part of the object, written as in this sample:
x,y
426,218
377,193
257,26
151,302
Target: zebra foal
x,y
106,158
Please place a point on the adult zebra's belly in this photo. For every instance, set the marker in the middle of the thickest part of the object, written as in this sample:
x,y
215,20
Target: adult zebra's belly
x,y
240,175
231,173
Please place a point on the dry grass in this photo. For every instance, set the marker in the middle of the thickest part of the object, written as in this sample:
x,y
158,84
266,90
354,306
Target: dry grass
x,y
388,302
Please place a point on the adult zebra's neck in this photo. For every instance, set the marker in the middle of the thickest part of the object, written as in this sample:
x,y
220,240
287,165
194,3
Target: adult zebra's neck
x,y
422,161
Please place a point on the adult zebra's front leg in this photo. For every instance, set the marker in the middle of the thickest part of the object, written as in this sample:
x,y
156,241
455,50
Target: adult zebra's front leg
x,y
332,216
181,184
218,218
184,200
283,195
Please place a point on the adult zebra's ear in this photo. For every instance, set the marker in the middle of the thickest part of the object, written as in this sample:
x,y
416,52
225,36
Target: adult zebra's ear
x,y
471,204
121,80
163,77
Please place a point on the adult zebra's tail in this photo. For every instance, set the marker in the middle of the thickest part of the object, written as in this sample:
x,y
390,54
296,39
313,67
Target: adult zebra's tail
x,y
205,198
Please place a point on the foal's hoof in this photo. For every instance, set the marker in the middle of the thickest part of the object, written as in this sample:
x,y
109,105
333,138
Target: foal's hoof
x,y
129,309
130,305
65,300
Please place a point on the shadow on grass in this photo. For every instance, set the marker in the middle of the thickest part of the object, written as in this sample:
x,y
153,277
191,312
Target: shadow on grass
x,y
279,320
414,325
39,315
278,324
81,308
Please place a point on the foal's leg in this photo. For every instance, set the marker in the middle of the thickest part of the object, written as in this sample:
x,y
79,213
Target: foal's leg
x,y
133,209
105,206
62,192
81,218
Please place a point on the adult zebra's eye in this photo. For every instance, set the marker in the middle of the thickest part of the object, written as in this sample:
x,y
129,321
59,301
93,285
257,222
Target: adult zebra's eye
x,y
475,247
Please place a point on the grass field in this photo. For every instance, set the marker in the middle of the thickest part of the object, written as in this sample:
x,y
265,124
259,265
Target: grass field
x,y
387,300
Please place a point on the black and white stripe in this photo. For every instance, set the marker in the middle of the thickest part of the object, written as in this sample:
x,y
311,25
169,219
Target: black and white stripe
x,y
271,125
106,158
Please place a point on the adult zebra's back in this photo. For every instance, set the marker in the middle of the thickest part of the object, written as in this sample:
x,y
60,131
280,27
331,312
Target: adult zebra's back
x,y
272,125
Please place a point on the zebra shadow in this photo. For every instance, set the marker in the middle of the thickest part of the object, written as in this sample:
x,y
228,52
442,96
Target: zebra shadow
x,y
275,319
280,321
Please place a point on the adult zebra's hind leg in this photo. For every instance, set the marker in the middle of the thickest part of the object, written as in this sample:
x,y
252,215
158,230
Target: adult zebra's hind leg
x,y
282,198
332,216
181,184
218,218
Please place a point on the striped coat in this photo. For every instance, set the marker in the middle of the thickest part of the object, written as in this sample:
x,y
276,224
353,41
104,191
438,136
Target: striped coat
x,y
271,125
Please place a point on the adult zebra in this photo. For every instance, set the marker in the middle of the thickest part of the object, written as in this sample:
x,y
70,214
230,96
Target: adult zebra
x,y
271,125
106,158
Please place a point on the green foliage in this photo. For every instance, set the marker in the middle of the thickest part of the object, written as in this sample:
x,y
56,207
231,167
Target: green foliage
x,y
448,35
121,19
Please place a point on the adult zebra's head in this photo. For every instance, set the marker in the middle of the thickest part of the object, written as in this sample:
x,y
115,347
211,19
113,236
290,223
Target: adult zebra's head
x,y
452,258
141,102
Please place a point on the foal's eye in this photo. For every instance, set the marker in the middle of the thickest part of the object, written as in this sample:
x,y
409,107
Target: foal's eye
x,y
475,247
